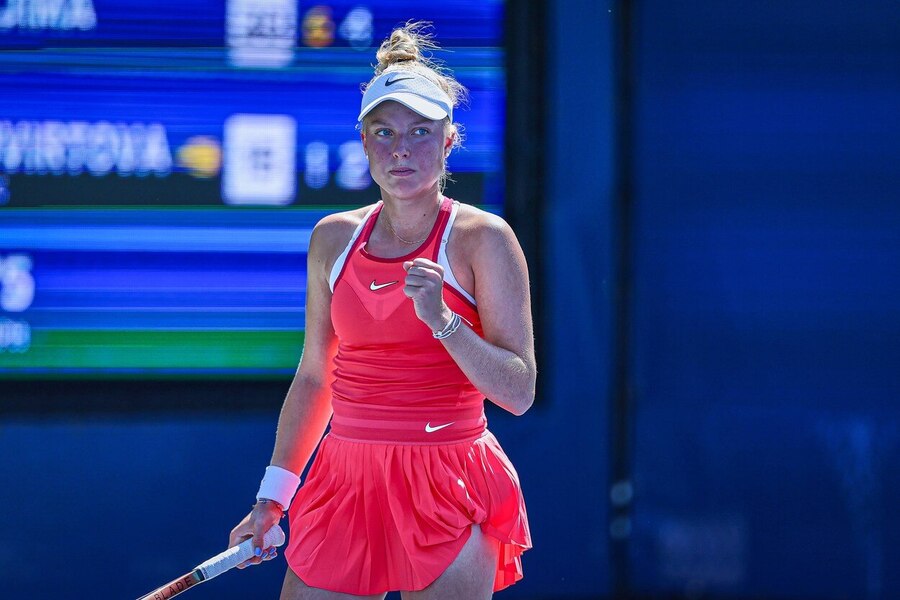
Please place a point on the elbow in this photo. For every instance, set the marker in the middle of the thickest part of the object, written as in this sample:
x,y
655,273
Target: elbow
x,y
517,404
522,408
523,399
517,396
520,404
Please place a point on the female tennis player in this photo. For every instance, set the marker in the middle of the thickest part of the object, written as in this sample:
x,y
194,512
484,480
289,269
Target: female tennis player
x,y
417,310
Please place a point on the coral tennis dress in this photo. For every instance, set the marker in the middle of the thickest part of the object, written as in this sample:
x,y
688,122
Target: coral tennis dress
x,y
409,464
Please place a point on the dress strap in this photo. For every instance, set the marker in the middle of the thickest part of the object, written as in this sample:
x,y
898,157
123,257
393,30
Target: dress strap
x,y
442,259
361,234
442,219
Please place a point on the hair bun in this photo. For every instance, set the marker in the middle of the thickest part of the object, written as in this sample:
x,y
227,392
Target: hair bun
x,y
405,44
410,48
400,47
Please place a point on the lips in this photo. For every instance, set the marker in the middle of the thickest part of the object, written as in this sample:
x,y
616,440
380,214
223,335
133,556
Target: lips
x,y
401,171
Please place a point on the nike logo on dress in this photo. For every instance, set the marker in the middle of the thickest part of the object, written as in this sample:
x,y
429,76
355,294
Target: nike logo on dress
x,y
430,429
395,80
377,286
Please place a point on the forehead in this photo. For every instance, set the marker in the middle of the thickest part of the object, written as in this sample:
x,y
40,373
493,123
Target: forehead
x,y
391,112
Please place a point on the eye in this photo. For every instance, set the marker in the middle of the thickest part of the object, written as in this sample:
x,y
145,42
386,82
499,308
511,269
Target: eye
x,y
383,132
421,131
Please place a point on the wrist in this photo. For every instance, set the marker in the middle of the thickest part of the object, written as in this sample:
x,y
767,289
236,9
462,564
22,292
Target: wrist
x,y
278,485
443,319
269,504
449,327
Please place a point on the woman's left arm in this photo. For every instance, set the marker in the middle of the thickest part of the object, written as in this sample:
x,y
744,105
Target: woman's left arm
x,y
502,364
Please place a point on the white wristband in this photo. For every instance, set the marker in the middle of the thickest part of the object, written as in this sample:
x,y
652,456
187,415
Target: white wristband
x,y
279,485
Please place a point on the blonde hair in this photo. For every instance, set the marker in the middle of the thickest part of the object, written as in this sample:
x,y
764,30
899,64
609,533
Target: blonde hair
x,y
409,48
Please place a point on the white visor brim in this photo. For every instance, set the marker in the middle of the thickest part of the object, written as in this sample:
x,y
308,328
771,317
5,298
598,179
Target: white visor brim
x,y
414,102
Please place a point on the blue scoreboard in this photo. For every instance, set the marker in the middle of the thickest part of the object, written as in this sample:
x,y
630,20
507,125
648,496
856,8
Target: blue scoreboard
x,y
162,165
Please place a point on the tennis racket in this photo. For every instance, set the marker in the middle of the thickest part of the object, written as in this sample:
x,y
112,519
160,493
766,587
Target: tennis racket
x,y
215,566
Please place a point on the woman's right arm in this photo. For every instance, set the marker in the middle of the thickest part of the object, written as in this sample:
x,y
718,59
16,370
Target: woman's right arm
x,y
307,406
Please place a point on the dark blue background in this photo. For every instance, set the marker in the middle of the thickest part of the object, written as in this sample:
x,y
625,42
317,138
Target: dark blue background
x,y
766,324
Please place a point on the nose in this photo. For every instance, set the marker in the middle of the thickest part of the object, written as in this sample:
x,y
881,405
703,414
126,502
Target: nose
x,y
401,147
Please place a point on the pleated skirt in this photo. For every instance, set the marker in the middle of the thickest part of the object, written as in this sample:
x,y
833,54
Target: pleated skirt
x,y
374,517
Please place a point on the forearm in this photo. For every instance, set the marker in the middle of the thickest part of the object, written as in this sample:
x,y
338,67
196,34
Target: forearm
x,y
304,416
505,378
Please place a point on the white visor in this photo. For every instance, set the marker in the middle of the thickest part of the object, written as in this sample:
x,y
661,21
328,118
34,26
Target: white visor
x,y
415,92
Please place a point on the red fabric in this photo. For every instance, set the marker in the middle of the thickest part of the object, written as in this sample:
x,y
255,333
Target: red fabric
x,y
376,517
408,466
407,424
386,356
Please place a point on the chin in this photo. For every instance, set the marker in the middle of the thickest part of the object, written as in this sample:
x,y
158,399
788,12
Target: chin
x,y
406,189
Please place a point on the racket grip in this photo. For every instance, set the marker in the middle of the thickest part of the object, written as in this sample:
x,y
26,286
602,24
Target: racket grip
x,y
235,555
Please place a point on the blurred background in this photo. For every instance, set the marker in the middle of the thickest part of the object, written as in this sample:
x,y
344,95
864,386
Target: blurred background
x,y
709,198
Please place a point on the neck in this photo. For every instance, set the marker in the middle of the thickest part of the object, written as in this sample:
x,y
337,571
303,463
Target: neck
x,y
410,221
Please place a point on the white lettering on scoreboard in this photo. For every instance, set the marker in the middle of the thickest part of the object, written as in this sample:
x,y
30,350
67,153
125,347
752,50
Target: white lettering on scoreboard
x,y
261,33
16,283
15,336
16,295
57,147
59,15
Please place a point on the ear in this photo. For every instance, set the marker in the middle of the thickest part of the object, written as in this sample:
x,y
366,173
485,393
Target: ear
x,y
362,137
448,144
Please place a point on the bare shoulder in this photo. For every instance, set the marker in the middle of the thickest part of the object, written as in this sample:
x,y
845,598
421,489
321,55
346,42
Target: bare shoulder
x,y
479,231
480,245
340,225
478,225
332,232
331,235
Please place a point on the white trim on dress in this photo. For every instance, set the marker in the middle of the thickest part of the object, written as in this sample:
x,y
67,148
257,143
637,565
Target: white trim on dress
x,y
339,263
449,278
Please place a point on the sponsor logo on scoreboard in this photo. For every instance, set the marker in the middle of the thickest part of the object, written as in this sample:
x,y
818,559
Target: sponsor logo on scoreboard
x,y
260,159
201,156
357,28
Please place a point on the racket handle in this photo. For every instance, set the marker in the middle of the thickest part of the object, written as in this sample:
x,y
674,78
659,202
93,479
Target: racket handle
x,y
235,555
174,587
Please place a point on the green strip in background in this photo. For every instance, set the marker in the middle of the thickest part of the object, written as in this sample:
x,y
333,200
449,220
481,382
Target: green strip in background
x,y
103,350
